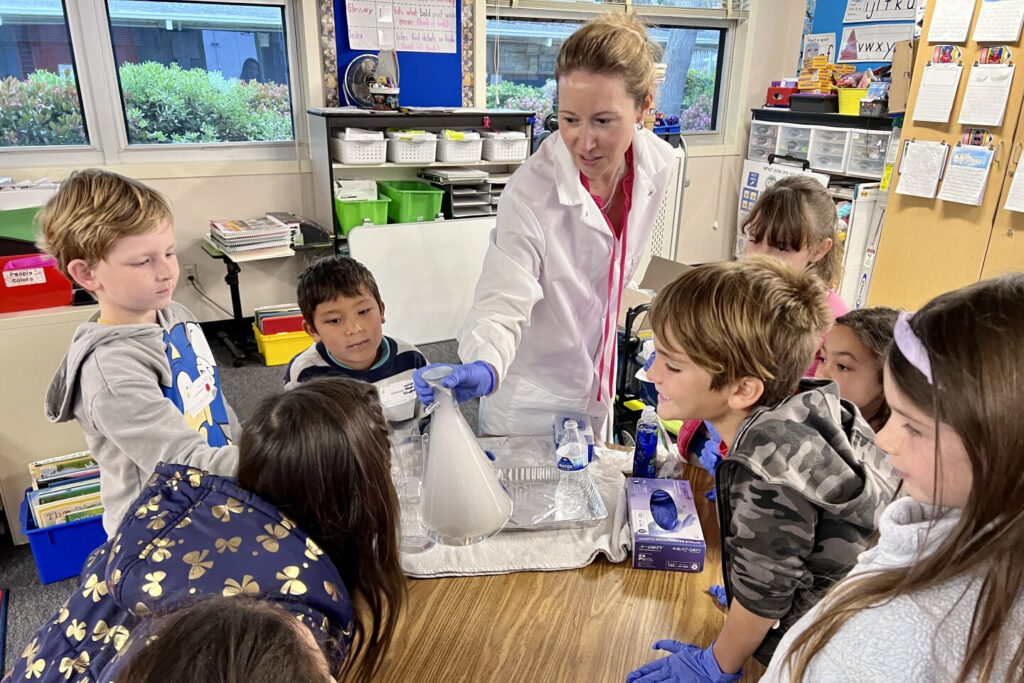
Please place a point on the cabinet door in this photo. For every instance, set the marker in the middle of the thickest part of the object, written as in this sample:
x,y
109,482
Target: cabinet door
x,y
929,246
1006,243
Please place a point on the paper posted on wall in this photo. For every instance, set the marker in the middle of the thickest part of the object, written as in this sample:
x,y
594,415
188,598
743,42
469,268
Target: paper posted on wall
x,y
757,177
967,175
921,167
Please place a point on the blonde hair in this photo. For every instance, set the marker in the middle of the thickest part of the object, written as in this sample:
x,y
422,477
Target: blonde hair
x,y
92,210
797,212
975,390
750,318
614,44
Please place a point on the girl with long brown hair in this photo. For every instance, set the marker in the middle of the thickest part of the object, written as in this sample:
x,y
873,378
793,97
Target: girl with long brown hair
x,y
941,595
311,524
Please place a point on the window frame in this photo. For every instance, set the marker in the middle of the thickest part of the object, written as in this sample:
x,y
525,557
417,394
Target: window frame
x,y
102,110
664,17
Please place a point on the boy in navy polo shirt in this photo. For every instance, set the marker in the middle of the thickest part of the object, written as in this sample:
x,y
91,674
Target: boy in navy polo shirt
x,y
343,312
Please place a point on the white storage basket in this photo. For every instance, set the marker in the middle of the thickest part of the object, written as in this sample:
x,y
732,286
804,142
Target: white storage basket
x,y
501,149
419,151
359,152
460,151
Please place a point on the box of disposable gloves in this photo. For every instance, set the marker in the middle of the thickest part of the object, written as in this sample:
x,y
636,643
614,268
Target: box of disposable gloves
x,y
666,530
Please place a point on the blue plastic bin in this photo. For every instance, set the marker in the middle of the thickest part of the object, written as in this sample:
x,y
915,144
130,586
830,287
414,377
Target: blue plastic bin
x,y
60,551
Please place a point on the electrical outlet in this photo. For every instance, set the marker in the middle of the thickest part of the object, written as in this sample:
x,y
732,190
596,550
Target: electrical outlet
x,y
191,272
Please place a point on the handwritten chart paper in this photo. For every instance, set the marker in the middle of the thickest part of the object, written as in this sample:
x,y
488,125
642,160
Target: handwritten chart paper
x,y
967,175
950,21
425,25
362,24
858,11
988,88
406,25
872,42
938,89
999,21
921,168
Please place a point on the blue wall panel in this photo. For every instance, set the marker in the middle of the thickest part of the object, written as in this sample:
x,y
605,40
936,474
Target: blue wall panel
x,y
425,79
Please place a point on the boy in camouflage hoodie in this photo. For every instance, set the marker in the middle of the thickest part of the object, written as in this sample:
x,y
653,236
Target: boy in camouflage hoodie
x,y
802,484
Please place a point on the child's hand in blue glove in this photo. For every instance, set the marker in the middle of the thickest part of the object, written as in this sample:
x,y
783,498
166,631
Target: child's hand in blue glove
x,y
719,593
686,664
467,382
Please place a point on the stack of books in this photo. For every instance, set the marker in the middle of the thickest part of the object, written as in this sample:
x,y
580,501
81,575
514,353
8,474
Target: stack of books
x,y
64,489
249,235
280,318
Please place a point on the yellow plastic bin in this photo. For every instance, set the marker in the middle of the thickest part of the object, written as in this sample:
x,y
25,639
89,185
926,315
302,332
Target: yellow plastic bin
x,y
849,100
280,348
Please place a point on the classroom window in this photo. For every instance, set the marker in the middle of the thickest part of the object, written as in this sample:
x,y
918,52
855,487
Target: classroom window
x,y
193,72
521,56
40,104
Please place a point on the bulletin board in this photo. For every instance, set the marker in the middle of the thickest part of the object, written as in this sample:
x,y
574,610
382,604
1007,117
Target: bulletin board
x,y
426,79
874,18
929,245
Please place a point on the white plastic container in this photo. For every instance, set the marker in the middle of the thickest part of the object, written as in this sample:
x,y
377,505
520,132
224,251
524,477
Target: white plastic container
x,y
460,151
358,152
420,150
505,149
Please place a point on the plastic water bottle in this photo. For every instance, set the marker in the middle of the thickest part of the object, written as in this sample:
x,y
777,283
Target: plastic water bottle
x,y
646,443
572,451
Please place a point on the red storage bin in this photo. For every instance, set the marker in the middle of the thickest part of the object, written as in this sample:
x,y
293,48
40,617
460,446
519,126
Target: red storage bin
x,y
32,281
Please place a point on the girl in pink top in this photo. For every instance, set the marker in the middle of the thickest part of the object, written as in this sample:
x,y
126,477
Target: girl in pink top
x,y
795,221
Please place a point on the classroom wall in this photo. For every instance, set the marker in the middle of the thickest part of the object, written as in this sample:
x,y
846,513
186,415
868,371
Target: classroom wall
x,y
767,46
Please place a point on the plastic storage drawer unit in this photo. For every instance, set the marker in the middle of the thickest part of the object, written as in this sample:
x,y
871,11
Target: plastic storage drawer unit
x,y
61,550
411,200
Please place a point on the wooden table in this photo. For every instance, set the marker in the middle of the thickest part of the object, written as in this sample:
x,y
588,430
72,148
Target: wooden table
x,y
591,624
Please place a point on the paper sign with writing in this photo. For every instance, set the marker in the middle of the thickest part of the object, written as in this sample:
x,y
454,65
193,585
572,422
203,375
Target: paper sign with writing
x,y
425,25
404,25
859,11
362,24
872,42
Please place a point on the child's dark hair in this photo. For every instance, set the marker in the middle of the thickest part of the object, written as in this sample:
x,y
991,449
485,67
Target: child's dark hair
x,y
977,367
321,453
332,277
797,212
223,640
873,327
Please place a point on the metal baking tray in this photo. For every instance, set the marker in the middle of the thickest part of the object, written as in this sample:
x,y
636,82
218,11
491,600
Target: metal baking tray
x,y
534,505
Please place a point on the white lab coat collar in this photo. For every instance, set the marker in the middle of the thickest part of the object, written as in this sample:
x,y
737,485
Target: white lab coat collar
x,y
646,165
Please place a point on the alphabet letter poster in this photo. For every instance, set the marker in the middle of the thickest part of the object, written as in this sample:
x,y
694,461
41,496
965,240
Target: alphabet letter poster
x,y
872,42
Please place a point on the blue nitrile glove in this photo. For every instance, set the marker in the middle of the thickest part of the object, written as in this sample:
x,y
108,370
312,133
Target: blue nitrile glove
x,y
686,664
663,510
467,382
710,455
719,593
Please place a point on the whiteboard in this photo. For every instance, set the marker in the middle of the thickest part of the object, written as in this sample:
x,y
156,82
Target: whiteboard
x,y
426,273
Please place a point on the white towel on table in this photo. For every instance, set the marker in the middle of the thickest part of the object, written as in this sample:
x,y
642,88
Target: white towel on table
x,y
550,550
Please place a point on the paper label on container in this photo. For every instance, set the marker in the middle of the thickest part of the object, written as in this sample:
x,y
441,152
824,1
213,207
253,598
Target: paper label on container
x,y
396,393
24,276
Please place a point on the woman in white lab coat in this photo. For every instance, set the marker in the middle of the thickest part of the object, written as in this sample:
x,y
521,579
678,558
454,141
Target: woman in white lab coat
x,y
572,225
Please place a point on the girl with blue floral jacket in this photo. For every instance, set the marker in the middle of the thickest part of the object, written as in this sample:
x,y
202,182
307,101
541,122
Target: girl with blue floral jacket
x,y
311,524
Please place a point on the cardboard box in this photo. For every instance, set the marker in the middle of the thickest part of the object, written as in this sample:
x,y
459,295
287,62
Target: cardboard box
x,y
681,548
586,428
902,71
660,272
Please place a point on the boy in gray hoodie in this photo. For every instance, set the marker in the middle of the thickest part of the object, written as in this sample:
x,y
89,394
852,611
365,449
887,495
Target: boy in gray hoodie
x,y
801,485
139,376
